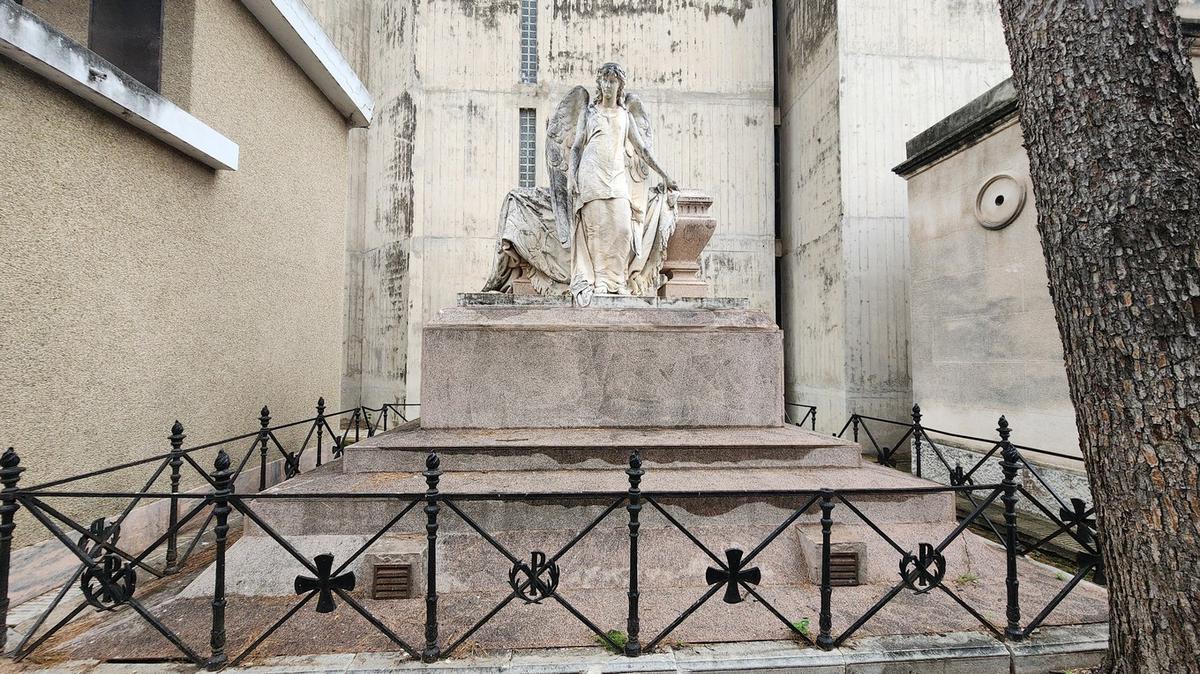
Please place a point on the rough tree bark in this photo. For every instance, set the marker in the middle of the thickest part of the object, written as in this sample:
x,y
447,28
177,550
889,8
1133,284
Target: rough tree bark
x,y
1111,119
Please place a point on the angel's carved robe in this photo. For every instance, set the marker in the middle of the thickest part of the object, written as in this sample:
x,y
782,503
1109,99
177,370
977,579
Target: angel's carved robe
x,y
604,220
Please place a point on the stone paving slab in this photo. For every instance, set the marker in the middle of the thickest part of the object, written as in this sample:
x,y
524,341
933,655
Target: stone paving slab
x,y
1056,649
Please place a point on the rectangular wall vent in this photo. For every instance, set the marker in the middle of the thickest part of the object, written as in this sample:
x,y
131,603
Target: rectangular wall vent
x,y
392,581
843,568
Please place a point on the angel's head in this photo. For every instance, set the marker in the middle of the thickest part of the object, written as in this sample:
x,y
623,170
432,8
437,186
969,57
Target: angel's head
x,y
610,79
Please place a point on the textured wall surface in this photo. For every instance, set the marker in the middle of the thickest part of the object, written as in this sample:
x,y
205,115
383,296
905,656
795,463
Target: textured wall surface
x,y
139,286
856,80
443,150
984,339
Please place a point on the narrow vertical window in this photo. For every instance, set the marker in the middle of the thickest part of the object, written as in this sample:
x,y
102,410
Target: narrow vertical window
x,y
129,35
526,169
529,41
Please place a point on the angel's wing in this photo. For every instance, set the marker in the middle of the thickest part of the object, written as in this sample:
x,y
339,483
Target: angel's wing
x,y
638,170
560,137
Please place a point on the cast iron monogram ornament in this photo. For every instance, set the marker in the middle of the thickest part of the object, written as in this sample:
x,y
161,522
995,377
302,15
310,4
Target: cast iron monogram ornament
x,y
324,584
732,575
916,571
110,583
526,579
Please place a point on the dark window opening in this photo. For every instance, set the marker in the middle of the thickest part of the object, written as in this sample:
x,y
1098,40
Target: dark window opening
x,y
526,168
129,35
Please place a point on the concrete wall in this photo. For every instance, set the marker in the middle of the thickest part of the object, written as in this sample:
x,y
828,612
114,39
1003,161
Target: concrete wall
x,y
984,339
139,286
871,73
443,150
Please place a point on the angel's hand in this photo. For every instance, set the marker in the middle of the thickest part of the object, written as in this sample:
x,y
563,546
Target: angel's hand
x,y
672,185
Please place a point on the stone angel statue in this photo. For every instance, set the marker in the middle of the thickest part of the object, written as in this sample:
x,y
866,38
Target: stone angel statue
x,y
600,227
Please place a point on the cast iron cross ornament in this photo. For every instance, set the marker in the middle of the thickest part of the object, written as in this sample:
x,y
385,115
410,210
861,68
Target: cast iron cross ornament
x,y
732,575
324,584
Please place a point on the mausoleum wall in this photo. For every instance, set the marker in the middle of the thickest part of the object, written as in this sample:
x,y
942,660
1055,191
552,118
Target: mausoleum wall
x,y
140,286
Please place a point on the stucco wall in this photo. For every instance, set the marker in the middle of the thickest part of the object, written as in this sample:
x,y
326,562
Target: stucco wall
x,y
139,286
984,339
870,74
443,150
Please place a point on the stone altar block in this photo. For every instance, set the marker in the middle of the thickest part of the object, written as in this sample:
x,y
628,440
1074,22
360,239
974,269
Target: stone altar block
x,y
548,364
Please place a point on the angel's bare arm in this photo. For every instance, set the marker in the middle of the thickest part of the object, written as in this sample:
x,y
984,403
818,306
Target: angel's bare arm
x,y
635,137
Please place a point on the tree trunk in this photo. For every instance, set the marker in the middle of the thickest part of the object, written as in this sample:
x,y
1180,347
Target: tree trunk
x,y
1110,114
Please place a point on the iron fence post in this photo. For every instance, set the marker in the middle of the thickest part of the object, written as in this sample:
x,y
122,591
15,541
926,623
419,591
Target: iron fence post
x,y
825,637
10,472
854,421
222,491
916,417
357,415
432,474
320,429
264,419
1009,465
813,425
176,460
633,646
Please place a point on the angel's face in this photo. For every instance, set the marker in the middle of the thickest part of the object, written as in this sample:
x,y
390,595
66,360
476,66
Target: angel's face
x,y
609,84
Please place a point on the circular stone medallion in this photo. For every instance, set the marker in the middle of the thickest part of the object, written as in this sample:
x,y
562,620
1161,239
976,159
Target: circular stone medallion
x,y
999,201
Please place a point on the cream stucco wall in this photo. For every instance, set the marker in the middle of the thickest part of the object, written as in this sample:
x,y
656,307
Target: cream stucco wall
x,y
984,339
443,150
139,286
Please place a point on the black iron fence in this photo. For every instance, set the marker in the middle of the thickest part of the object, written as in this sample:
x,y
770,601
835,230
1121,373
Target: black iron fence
x,y
110,574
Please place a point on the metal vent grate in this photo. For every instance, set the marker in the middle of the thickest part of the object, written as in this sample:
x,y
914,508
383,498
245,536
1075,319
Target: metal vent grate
x,y
392,581
843,568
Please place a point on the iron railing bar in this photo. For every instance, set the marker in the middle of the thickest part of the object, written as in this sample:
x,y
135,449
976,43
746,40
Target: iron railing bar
x,y
979,464
975,614
678,525
596,522
479,530
1062,594
847,425
377,536
192,462
482,621
967,522
584,619
376,622
246,458
1026,448
874,443
776,613
991,525
46,508
247,512
885,421
18,654
779,529
937,450
862,620
196,539
682,616
888,539
141,556
1055,520
271,630
1038,476
149,483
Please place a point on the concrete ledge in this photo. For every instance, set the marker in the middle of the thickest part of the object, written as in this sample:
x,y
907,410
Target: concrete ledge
x,y
301,36
33,43
960,128
953,653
